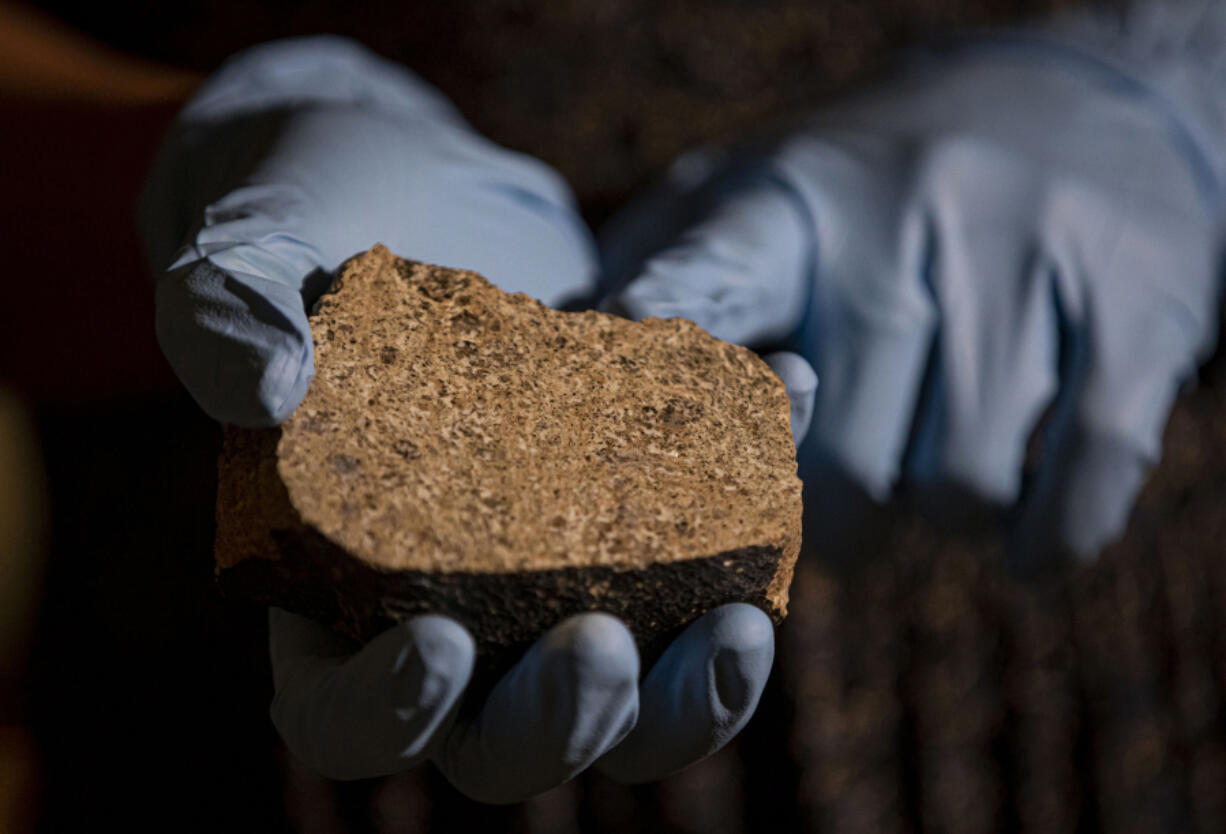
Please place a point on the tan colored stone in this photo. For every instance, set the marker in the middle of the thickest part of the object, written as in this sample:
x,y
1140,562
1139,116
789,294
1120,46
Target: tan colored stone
x,y
469,450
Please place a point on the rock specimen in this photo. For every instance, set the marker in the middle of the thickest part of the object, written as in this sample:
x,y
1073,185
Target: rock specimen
x,y
466,451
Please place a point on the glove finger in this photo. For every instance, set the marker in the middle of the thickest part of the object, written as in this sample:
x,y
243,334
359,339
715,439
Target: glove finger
x,y
1124,357
240,343
1093,463
801,383
698,696
994,365
741,273
371,713
873,315
572,697
1082,502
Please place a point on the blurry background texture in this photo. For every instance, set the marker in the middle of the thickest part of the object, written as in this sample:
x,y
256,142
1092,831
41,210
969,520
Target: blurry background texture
x,y
921,691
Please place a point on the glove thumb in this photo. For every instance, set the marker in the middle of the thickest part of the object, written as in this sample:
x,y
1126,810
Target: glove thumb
x,y
740,272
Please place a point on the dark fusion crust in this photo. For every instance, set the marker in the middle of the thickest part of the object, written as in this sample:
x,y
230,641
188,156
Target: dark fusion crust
x,y
504,612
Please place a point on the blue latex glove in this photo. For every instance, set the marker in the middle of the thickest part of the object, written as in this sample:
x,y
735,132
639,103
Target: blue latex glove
x,y
1016,222
291,158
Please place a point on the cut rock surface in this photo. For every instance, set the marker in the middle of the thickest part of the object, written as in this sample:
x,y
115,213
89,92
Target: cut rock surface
x,y
471,452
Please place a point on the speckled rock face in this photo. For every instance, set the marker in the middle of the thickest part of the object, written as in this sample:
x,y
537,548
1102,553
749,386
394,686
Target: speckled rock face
x,y
473,452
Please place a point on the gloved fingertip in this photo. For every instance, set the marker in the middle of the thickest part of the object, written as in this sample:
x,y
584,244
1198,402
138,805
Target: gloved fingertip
x,y
651,295
1082,503
593,664
744,641
570,699
795,371
595,644
354,713
435,662
279,394
241,345
800,381
699,694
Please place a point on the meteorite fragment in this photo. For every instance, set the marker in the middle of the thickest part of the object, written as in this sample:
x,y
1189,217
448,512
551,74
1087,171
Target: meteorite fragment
x,y
466,451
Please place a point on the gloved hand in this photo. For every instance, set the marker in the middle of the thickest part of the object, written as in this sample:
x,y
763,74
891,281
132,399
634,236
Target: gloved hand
x,y
291,158
1017,223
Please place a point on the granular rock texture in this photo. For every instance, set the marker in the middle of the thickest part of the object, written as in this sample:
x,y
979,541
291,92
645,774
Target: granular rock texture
x,y
470,452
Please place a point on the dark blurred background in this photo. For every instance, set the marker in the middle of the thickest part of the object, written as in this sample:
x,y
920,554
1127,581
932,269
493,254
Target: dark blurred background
x,y
919,691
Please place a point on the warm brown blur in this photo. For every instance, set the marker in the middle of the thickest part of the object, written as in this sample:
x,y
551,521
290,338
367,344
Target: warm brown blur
x,y
23,534
82,124
44,60
80,121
